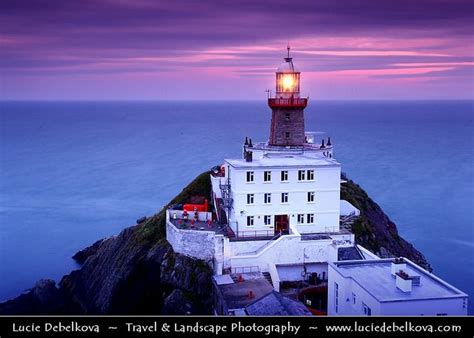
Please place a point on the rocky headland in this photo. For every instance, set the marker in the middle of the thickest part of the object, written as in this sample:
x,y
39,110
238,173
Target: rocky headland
x,y
137,272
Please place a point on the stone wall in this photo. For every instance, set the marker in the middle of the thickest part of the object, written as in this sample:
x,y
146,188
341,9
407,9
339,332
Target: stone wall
x,y
287,121
193,243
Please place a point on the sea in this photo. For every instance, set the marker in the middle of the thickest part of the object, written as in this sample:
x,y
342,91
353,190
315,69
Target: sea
x,y
74,172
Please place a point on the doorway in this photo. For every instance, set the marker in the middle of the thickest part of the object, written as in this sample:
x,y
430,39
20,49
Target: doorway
x,y
282,224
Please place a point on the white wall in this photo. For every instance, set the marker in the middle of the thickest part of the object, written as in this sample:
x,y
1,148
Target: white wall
x,y
449,306
294,272
193,243
346,288
215,183
285,250
326,206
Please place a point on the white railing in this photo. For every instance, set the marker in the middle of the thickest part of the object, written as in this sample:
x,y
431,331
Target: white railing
x,y
245,269
179,214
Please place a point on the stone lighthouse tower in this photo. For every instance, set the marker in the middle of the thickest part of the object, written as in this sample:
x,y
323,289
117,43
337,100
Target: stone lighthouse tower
x,y
287,126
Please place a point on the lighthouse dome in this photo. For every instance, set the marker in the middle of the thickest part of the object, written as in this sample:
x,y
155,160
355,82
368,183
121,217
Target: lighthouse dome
x,y
287,67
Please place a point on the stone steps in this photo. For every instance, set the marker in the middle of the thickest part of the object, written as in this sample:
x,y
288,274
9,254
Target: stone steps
x,y
268,277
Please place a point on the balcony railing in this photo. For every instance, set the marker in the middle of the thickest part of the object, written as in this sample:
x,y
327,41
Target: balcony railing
x,y
255,235
287,103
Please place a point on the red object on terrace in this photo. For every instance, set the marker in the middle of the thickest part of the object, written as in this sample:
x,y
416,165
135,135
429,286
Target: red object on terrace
x,y
197,207
288,103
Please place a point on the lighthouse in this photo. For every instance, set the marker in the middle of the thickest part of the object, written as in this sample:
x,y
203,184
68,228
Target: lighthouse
x,y
287,125
277,220
287,185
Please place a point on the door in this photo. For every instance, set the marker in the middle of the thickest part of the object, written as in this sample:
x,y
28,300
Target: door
x,y
281,224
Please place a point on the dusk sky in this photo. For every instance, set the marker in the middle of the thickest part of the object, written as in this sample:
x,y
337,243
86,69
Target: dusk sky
x,y
153,50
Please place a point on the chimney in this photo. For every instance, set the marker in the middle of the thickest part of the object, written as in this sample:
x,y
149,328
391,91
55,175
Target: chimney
x,y
403,281
329,141
250,143
322,144
246,143
397,265
248,156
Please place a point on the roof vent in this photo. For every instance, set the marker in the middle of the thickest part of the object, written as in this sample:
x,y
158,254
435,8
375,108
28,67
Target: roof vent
x,y
397,265
403,281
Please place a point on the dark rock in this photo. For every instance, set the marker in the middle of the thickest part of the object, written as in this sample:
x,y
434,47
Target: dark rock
x,y
177,304
81,256
374,230
43,299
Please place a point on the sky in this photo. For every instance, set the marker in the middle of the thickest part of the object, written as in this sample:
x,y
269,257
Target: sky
x,y
220,49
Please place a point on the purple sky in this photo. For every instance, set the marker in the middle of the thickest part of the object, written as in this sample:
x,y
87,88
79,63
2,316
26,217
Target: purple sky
x,y
204,49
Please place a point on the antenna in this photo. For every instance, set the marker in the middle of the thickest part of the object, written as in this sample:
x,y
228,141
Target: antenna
x,y
288,58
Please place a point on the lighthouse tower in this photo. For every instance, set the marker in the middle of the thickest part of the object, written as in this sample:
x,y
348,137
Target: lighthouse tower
x,y
287,126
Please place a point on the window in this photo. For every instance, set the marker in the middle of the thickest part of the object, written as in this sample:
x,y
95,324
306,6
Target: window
x,y
287,116
250,198
267,176
249,221
310,175
301,175
284,176
284,197
267,220
249,176
336,297
367,311
310,218
267,198
287,134
310,196
300,218
353,298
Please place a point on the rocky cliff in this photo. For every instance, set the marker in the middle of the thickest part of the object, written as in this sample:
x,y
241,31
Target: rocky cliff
x,y
137,271
374,230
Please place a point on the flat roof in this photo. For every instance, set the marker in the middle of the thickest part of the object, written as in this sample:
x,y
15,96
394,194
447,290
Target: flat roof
x,y
376,278
223,279
285,160
275,304
236,294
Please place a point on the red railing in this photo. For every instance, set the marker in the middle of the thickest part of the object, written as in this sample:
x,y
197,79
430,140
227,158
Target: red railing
x,y
287,103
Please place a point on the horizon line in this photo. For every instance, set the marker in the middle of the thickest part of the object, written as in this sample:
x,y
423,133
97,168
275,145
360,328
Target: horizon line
x,y
225,100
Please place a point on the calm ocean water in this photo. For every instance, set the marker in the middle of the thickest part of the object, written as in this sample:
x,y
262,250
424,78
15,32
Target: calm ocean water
x,y
71,173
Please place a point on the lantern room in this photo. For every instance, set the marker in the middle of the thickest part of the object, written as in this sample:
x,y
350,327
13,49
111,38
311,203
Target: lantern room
x,y
287,79
287,95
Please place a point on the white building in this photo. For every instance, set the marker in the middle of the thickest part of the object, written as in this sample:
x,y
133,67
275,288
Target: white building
x,y
294,192
278,204
377,287
277,214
